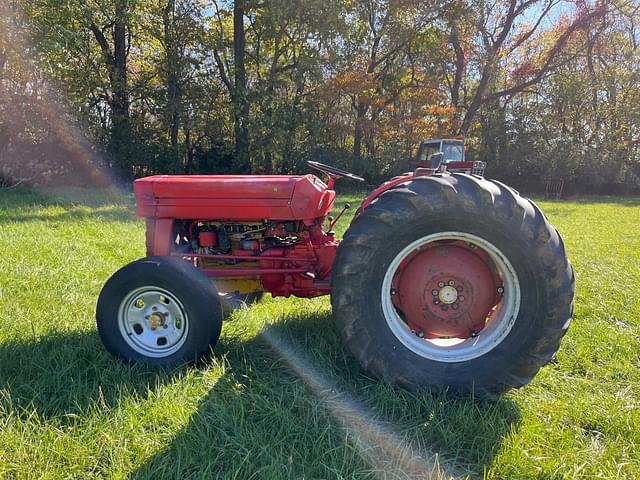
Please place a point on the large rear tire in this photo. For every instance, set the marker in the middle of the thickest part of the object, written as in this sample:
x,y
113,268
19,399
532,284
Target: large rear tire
x,y
160,311
454,282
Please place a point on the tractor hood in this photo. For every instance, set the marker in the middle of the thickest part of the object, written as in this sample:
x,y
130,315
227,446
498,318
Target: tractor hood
x,y
233,197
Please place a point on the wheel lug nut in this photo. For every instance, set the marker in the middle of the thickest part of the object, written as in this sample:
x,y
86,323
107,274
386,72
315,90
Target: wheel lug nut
x,y
454,306
441,284
500,290
459,288
452,283
434,293
436,302
461,298
445,308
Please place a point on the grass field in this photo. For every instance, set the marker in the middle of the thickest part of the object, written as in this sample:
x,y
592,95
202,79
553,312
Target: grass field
x,y
280,398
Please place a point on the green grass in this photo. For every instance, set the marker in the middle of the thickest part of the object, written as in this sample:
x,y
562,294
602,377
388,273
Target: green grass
x,y
69,410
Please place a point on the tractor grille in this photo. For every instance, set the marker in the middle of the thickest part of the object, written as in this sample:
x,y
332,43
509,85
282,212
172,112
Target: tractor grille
x,y
478,168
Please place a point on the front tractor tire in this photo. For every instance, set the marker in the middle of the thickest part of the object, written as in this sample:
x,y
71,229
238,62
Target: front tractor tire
x,y
452,282
160,311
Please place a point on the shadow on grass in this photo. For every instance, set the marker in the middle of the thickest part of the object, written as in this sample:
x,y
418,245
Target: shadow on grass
x,y
604,199
62,375
17,206
263,418
63,197
74,214
313,414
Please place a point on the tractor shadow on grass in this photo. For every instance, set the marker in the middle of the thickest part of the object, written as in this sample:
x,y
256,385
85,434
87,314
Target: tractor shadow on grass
x,y
293,404
64,375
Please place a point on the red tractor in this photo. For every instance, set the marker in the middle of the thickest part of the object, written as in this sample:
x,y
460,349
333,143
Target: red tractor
x,y
442,279
447,154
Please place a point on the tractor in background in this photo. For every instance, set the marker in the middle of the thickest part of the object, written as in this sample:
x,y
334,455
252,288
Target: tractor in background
x,y
447,154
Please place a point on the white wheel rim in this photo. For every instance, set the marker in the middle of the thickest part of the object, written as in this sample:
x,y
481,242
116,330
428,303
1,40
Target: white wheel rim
x,y
456,350
153,322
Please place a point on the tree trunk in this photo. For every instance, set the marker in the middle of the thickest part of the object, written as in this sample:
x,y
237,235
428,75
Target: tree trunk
x,y
358,134
268,108
459,69
240,101
479,97
174,91
3,58
188,148
121,129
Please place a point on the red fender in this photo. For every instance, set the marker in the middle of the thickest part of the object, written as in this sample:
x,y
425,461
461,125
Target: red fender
x,y
394,182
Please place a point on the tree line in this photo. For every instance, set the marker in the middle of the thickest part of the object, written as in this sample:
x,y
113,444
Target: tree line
x,y
540,89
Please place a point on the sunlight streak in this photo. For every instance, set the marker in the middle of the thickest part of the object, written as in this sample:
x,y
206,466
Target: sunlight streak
x,y
38,143
389,454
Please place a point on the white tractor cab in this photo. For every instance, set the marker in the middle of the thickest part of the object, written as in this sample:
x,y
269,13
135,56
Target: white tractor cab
x,y
447,154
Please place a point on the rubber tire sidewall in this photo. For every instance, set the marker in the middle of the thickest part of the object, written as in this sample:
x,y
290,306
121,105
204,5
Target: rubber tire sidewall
x,y
190,286
510,363
478,370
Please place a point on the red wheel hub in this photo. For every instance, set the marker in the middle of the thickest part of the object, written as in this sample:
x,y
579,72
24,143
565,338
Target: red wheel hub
x,y
446,289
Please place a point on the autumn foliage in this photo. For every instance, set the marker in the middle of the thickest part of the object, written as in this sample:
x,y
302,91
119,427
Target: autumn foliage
x,y
539,88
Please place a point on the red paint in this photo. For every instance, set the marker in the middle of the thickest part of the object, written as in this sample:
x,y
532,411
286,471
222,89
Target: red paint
x,y
239,198
394,182
294,207
159,236
447,289
461,167
281,218
208,239
248,272
232,257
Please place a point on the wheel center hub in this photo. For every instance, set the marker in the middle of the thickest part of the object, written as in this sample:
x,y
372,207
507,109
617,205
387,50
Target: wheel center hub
x,y
448,295
156,320
446,290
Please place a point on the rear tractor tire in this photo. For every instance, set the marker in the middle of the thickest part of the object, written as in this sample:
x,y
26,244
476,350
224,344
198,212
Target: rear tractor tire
x,y
452,282
160,311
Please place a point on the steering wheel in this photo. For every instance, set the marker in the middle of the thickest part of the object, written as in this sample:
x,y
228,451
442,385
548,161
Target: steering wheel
x,y
333,171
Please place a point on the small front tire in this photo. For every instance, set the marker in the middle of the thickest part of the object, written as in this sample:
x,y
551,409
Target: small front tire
x,y
160,311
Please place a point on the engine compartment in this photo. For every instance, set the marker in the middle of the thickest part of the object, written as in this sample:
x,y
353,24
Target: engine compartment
x,y
282,257
246,238
247,233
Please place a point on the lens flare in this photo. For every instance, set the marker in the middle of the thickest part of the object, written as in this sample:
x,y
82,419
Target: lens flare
x,y
389,454
39,144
